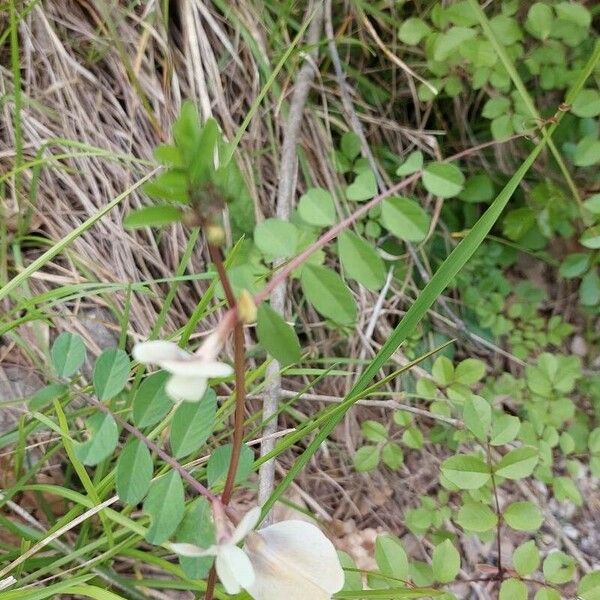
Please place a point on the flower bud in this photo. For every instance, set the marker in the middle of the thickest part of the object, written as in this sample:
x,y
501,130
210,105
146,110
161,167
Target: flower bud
x,y
246,307
215,234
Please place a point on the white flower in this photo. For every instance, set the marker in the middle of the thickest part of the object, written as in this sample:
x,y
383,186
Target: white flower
x,y
291,560
232,563
190,372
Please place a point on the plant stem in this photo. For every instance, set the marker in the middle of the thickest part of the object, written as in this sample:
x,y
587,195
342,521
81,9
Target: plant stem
x,y
240,398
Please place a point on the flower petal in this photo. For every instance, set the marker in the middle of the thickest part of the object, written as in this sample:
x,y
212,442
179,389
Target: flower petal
x,y
295,551
234,568
197,368
157,351
189,389
193,551
246,525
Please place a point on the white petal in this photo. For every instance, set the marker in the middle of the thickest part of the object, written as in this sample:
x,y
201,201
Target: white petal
x,y
193,551
188,389
197,368
274,586
234,568
246,525
157,351
295,551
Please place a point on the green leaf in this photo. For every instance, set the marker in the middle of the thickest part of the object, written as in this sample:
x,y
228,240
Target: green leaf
x,y
316,208
443,179
502,127
589,586
518,463
565,490
412,164
364,187
558,567
575,265
546,593
587,152
539,20
366,458
506,29
465,471
134,472
591,237
165,505
589,292
151,402
523,516
326,291
67,354
443,371
350,144
391,557
526,558
587,104
575,13
448,43
104,436
505,429
446,562
276,238
412,438
477,415
360,261
352,577
192,423
197,528
218,465
152,216
46,395
479,188
513,589
476,516
171,185
495,107
405,218
392,456
276,336
469,371
111,372
412,31
374,431
593,204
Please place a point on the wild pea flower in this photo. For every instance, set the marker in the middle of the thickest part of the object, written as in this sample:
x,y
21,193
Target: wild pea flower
x,y
291,560
189,372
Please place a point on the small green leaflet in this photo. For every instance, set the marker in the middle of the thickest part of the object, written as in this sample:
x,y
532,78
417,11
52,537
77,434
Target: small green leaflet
x,y
518,463
513,589
326,291
276,238
151,402
218,464
591,238
165,504
412,164
364,187
405,218
391,557
589,586
104,436
526,558
476,516
192,423
523,516
134,471
196,528
46,395
67,354
366,458
443,179
477,415
360,261
111,372
316,208
466,471
152,216
446,562
276,336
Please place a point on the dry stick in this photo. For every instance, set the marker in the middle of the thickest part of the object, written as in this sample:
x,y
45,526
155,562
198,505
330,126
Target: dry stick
x,y
285,191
